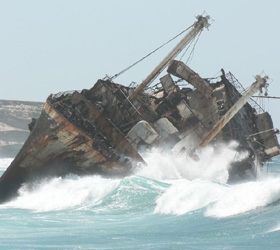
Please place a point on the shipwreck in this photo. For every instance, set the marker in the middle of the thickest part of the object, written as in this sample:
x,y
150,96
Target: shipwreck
x,y
101,130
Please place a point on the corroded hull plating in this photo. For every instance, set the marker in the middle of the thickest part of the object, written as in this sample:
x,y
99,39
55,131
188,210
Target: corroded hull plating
x,y
101,130
56,147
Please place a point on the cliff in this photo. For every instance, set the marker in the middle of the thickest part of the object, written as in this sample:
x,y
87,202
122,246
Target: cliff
x,y
14,119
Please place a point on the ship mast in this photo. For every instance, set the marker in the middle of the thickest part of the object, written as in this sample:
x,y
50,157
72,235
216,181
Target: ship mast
x,y
202,22
261,82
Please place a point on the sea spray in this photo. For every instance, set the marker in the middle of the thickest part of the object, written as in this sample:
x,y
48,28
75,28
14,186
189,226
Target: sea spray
x,y
213,164
186,196
202,183
245,197
137,212
169,184
63,193
90,193
219,200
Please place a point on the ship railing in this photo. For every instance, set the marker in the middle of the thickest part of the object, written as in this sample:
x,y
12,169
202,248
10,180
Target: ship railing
x,y
239,87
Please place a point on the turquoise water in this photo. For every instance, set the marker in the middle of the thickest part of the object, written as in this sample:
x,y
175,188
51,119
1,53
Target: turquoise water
x,y
172,204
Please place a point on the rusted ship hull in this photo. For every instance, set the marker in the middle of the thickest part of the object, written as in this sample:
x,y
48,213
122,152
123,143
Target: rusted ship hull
x,y
103,129
56,147
95,131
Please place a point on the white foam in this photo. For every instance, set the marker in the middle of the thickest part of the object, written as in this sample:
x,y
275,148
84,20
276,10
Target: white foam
x,y
186,196
63,193
202,183
242,198
219,200
212,165
194,185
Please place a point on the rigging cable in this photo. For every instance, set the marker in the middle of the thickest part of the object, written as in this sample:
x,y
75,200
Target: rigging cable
x,y
140,60
192,51
187,48
269,97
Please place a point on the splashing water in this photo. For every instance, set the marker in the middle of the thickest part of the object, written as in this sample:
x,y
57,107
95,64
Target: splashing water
x,y
182,185
68,193
213,164
160,198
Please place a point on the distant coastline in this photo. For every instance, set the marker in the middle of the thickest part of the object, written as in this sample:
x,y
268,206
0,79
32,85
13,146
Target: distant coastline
x,y
14,119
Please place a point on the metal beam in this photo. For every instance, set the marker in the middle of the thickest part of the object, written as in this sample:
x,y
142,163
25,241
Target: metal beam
x,y
260,82
198,26
181,70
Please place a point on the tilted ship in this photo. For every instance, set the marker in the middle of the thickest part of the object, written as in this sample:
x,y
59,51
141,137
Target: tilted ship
x,y
101,130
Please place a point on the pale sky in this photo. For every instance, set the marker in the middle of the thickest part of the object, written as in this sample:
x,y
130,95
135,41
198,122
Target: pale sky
x,y
58,45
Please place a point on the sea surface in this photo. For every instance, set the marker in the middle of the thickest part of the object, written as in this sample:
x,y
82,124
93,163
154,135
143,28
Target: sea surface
x,y
173,203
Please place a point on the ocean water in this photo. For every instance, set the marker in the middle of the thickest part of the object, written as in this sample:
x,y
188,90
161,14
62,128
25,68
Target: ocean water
x,y
173,203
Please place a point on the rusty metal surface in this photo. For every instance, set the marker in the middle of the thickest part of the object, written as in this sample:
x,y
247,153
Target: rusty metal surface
x,y
59,147
107,128
91,132
181,70
81,132
233,110
267,135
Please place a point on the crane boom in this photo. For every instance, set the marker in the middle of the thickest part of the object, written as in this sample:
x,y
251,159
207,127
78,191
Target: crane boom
x,y
202,22
258,84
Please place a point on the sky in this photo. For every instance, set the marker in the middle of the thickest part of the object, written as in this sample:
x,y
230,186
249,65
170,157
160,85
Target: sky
x,y
58,45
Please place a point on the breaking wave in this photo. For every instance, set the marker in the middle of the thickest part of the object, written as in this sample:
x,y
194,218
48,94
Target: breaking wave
x,y
212,165
218,200
168,185
63,193
93,193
